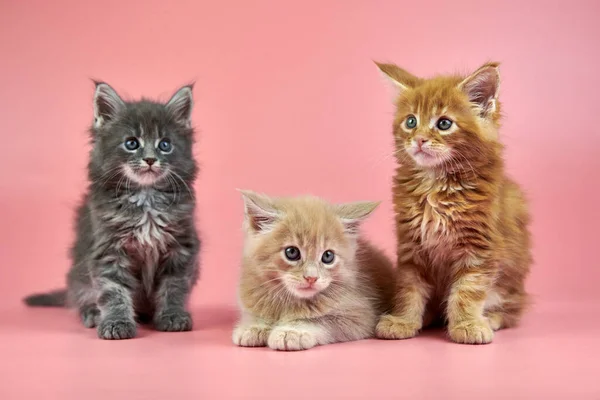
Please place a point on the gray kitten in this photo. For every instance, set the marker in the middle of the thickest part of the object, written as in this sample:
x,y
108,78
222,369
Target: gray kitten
x,y
136,251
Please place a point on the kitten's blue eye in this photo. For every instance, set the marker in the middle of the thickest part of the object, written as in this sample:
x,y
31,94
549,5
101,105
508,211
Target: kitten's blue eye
x,y
165,145
411,121
132,144
292,253
444,124
328,257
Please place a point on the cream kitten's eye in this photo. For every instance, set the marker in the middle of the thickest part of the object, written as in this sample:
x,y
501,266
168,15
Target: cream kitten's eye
x,y
411,121
328,257
292,253
444,124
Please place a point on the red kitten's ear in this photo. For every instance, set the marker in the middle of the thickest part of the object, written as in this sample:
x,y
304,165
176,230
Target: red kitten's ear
x,y
399,78
353,214
260,211
482,88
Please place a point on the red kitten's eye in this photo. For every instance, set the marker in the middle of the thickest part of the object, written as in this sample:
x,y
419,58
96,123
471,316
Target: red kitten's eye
x,y
444,124
411,122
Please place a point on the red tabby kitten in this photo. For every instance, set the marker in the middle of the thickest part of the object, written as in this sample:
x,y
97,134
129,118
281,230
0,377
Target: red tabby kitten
x,y
463,244
307,279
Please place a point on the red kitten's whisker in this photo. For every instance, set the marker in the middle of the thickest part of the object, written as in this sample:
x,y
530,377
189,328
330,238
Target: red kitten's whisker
x,y
464,254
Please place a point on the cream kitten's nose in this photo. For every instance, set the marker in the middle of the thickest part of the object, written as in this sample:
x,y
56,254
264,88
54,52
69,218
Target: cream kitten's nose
x,y
311,279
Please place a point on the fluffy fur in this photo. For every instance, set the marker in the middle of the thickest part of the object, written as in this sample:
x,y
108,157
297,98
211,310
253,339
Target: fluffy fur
x,y
136,248
296,305
463,244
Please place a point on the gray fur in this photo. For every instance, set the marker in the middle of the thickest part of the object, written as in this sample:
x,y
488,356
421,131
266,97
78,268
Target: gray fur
x,y
57,298
136,248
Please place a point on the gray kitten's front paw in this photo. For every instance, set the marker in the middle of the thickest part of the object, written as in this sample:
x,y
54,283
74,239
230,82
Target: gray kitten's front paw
x,y
116,329
89,316
177,321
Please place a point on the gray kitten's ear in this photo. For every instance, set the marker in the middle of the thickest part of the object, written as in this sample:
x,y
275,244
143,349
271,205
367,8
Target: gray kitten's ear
x,y
482,88
181,104
260,211
353,214
107,104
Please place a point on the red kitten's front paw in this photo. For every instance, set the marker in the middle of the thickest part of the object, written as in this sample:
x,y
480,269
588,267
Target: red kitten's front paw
x,y
291,339
390,327
251,336
471,332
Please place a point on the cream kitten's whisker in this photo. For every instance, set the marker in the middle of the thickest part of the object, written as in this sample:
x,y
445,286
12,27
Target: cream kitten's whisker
x,y
292,305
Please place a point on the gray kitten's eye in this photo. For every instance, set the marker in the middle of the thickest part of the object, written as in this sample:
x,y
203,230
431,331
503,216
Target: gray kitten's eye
x,y
132,144
165,145
444,124
328,257
411,121
292,253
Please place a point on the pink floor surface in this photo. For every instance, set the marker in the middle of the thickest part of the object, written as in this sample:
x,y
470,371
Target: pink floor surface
x,y
46,353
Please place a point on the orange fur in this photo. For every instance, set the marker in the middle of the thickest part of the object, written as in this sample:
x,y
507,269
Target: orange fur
x,y
348,295
463,244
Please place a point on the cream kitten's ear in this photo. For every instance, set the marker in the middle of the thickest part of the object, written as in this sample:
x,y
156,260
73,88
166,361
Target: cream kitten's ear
x,y
107,104
260,211
399,78
353,214
482,88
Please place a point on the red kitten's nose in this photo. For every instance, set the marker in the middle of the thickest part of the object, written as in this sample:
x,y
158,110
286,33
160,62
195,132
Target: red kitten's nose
x,y
421,141
310,279
150,161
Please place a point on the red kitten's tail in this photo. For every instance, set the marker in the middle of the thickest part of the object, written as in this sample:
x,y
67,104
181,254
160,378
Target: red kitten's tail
x,y
56,298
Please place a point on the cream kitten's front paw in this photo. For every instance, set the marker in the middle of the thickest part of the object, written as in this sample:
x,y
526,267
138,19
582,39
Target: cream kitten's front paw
x,y
471,332
291,338
391,327
251,335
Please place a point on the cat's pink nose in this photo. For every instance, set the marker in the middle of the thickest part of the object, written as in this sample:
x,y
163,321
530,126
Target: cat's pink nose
x,y
311,279
421,141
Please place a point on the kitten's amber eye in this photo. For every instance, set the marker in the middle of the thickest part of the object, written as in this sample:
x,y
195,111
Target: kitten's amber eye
x,y
444,124
132,144
292,253
328,257
411,121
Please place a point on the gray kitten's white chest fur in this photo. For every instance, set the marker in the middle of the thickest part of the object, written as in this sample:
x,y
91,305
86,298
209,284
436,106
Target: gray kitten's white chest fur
x,y
146,232
149,222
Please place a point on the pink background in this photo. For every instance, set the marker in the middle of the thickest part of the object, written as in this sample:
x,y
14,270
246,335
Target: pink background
x,y
288,102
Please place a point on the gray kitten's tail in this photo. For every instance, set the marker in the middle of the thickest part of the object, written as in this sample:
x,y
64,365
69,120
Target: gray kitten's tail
x,y
56,298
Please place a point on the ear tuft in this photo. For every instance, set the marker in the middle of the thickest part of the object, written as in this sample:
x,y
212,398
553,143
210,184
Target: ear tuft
x,y
107,104
181,104
260,211
400,79
482,86
353,214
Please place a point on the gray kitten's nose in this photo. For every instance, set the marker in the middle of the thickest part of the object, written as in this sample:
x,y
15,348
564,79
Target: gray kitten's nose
x,y
150,161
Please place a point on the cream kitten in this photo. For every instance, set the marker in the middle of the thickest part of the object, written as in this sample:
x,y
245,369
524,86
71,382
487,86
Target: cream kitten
x,y
307,279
